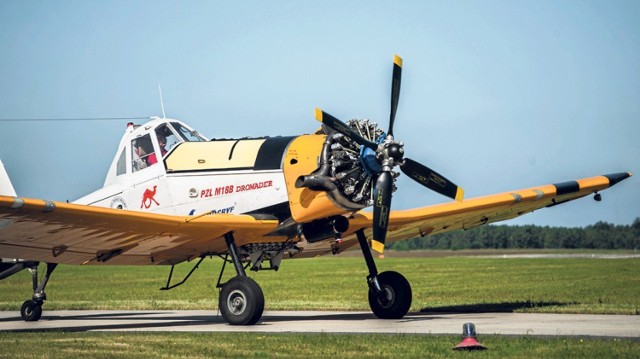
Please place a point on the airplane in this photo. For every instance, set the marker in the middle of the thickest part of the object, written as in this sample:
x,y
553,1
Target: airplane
x,y
171,195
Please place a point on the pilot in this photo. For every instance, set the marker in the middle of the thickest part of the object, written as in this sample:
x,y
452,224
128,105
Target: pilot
x,y
139,162
162,142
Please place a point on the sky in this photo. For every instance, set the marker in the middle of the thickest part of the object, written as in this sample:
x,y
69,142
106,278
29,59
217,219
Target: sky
x,y
496,95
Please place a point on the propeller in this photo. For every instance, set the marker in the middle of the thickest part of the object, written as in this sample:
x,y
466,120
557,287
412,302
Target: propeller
x,y
387,154
395,90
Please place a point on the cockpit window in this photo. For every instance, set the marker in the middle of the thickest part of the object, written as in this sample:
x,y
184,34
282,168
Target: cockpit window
x,y
141,151
187,134
167,138
121,167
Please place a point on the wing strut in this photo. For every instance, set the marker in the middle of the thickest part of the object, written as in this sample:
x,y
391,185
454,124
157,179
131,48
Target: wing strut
x,y
168,286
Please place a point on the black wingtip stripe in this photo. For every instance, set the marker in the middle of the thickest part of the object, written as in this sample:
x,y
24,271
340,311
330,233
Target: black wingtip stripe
x,y
614,178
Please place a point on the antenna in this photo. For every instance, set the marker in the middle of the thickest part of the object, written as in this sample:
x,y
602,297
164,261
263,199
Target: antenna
x,y
161,102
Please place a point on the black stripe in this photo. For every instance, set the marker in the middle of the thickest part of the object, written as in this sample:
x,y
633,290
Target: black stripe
x,y
271,152
616,177
567,187
281,211
233,148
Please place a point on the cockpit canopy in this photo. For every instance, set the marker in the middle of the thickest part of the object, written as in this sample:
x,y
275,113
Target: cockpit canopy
x,y
143,146
147,149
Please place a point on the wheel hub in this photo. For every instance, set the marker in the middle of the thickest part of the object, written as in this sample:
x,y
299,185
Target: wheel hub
x,y
385,297
237,302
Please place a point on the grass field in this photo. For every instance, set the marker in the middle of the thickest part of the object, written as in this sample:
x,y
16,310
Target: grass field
x,y
556,285
243,345
462,284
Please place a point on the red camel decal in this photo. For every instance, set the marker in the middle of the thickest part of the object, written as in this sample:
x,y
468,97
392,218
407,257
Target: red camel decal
x,y
147,198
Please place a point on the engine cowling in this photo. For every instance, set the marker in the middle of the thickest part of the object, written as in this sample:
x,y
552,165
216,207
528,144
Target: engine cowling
x,y
328,175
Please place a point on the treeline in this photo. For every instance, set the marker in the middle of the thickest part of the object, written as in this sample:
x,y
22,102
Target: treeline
x,y
601,235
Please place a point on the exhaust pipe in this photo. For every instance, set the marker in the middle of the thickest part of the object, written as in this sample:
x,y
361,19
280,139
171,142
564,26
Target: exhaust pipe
x,y
325,228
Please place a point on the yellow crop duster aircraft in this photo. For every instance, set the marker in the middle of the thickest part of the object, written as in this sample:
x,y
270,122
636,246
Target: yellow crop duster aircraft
x,y
171,195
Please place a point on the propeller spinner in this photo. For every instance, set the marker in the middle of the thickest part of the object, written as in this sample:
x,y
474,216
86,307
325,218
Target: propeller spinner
x,y
379,158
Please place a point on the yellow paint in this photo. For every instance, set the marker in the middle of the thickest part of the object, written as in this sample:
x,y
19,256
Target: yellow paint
x,y
302,158
84,231
30,232
397,60
214,155
377,246
318,114
459,194
590,182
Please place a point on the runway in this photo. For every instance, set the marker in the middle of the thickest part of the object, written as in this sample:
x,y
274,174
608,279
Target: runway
x,y
330,322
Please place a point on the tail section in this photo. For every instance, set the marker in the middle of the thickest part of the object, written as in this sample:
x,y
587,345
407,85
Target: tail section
x,y
6,188
10,266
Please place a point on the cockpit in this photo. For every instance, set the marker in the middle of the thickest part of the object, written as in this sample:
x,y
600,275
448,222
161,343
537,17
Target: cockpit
x,y
149,148
143,147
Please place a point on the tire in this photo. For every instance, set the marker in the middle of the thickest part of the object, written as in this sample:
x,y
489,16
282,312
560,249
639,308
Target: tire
x,y
241,301
31,311
397,296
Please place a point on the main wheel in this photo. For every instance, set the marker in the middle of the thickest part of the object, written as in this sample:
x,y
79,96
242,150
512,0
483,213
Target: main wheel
x,y
241,301
31,311
395,300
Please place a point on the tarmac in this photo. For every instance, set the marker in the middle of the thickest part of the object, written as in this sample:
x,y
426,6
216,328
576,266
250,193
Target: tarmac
x,y
521,324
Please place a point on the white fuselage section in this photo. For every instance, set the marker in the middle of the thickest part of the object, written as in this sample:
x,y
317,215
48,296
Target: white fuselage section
x,y
196,193
155,188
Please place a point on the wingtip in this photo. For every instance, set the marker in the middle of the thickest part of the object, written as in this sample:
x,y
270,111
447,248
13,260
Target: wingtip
x,y
615,178
459,194
318,114
377,246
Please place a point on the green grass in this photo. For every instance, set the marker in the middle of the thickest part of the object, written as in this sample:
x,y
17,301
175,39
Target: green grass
x,y
568,285
559,285
244,345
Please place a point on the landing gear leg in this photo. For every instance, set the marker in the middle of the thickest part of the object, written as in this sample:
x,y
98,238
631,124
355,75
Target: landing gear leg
x,y
31,310
241,300
389,292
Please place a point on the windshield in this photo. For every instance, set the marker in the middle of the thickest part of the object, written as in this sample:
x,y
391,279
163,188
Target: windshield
x,y
187,134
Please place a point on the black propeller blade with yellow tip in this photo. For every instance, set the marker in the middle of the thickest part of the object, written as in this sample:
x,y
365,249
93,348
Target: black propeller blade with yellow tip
x,y
390,153
395,90
342,127
431,179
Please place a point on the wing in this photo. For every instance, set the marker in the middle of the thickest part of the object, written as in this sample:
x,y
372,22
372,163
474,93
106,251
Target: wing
x,y
58,232
477,211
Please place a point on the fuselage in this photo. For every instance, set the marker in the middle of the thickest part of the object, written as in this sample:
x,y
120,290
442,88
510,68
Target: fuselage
x,y
307,182
191,175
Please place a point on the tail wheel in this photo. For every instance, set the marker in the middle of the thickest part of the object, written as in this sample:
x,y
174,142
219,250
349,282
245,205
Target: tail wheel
x,y
31,311
241,301
395,299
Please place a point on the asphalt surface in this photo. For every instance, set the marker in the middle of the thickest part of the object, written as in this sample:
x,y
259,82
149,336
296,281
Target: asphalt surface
x,y
331,322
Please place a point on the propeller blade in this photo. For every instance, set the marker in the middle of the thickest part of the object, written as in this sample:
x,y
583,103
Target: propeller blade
x,y
342,127
395,90
381,210
431,179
